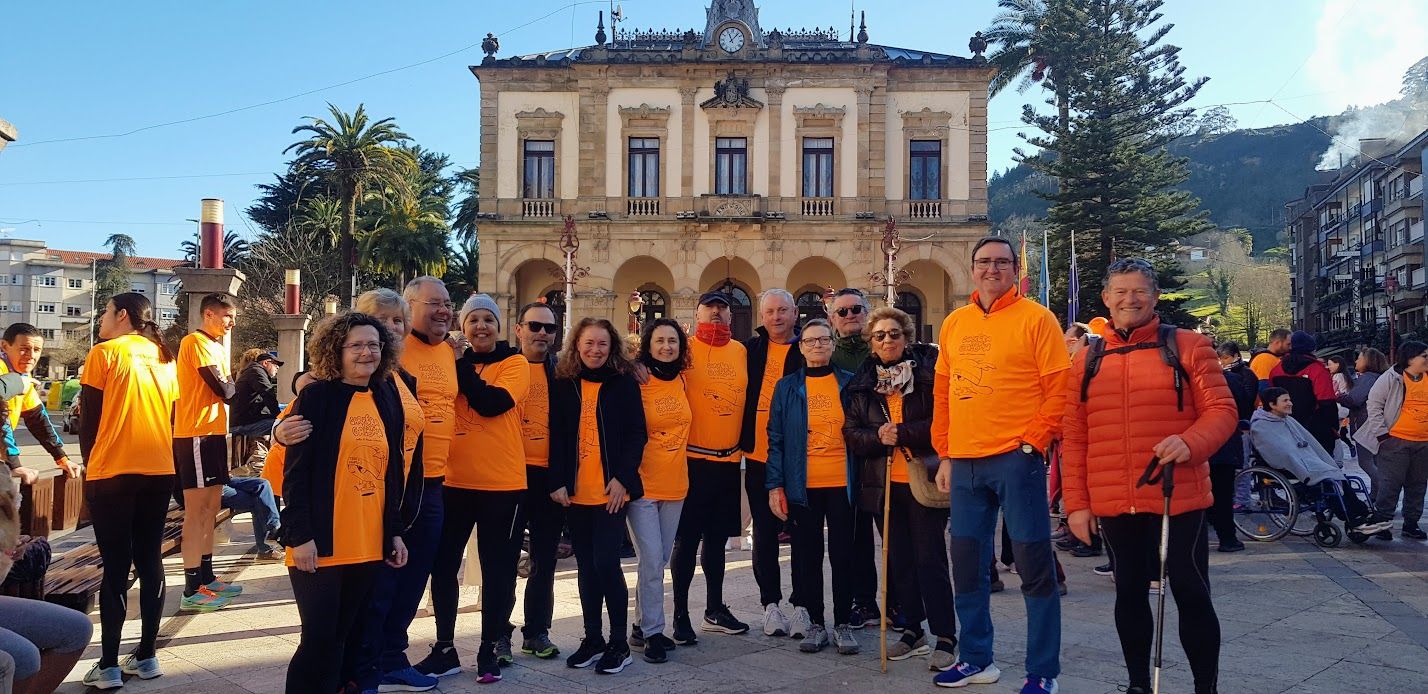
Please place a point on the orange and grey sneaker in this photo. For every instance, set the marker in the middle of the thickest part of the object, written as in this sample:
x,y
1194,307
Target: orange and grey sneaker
x,y
224,590
204,600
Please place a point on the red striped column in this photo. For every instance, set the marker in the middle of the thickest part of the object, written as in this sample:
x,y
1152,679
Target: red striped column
x,y
210,244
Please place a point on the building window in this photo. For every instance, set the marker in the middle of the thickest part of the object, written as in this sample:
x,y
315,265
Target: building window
x,y
644,167
169,288
47,281
17,279
73,311
136,287
731,166
810,306
47,333
74,283
817,167
539,169
45,308
925,169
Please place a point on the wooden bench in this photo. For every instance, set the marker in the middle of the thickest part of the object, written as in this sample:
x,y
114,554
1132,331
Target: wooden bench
x,y
73,580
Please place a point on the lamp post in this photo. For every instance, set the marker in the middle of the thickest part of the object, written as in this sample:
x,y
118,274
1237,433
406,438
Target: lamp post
x,y
569,244
637,305
1390,287
891,276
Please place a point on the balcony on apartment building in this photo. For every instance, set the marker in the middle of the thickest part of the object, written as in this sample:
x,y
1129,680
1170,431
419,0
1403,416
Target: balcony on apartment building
x,y
1411,199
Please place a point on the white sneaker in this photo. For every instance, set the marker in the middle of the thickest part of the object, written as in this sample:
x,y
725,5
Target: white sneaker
x,y
104,678
775,623
802,622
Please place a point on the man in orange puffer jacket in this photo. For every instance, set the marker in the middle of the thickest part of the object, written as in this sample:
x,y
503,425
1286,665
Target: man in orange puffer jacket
x,y
1133,411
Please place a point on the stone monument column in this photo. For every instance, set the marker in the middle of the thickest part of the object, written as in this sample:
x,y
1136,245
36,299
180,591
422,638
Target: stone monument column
x,y
199,282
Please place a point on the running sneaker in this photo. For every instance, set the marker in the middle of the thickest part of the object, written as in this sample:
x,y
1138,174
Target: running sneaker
x,y
271,554
442,661
864,616
591,649
684,633
104,678
798,626
614,659
657,647
637,638
1039,685
503,651
226,590
963,674
145,669
1104,570
406,679
775,623
1084,550
944,655
814,640
540,646
1412,531
908,646
721,620
204,600
1385,535
1378,523
1232,545
843,636
488,665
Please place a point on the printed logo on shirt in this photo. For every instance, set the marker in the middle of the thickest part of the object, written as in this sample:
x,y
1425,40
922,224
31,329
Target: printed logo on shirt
x,y
364,479
821,433
536,428
365,428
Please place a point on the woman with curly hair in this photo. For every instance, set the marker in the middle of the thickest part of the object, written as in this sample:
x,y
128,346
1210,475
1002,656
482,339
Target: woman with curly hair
x,y
343,486
597,440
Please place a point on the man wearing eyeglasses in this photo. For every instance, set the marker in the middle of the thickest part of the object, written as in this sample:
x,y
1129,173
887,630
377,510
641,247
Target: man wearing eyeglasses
x,y
771,356
536,334
999,395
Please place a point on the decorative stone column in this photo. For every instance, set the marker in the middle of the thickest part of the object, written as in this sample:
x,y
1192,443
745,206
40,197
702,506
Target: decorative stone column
x,y
199,282
292,352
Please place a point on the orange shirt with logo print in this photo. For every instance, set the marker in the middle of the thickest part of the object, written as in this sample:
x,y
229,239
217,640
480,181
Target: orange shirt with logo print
x,y
415,423
590,475
359,488
663,469
827,455
1000,378
773,370
136,427
717,382
899,459
535,418
200,411
1412,424
488,453
434,367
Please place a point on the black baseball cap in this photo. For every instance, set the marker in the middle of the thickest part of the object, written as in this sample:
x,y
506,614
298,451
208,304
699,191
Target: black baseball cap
x,y
716,295
269,356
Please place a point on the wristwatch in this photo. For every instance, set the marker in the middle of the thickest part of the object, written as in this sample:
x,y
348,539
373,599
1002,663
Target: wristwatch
x,y
1028,449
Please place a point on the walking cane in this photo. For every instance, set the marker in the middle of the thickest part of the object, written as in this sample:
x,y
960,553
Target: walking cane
x,y
1165,475
887,505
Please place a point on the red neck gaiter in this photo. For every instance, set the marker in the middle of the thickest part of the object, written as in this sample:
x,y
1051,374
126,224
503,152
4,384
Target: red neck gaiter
x,y
716,334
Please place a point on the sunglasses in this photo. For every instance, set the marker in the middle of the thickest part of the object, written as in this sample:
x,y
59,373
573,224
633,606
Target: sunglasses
x,y
1127,264
849,311
880,335
537,326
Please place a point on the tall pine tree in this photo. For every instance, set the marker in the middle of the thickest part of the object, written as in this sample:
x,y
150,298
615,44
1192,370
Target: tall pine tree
x,y
1123,99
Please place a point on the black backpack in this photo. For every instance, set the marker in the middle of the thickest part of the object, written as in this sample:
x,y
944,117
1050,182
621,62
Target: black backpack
x,y
1169,353
1301,393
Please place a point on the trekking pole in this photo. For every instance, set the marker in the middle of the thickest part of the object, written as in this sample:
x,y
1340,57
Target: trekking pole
x,y
1165,475
887,506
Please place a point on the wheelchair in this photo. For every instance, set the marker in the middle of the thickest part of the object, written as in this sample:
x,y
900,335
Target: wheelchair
x,y
1280,505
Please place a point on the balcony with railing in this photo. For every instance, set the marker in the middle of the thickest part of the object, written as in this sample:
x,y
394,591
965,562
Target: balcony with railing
x,y
538,208
642,207
818,207
924,209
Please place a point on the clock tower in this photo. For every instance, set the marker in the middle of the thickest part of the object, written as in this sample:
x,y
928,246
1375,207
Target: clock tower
x,y
740,15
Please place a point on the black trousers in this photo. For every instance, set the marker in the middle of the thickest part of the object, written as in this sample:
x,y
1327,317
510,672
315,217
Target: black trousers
x,y
1222,513
766,529
596,536
128,514
864,560
917,561
710,517
330,602
1134,540
493,515
830,506
546,520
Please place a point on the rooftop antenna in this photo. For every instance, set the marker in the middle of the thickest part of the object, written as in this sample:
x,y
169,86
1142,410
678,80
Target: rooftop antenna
x,y
617,15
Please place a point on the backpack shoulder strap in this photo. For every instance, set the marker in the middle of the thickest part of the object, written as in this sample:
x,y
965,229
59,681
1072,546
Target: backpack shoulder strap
x,y
1094,351
1170,352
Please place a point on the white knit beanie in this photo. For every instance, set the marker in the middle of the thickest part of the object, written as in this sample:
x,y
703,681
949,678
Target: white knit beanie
x,y
479,301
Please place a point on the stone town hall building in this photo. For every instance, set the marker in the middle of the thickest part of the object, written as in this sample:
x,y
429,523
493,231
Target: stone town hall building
x,y
731,156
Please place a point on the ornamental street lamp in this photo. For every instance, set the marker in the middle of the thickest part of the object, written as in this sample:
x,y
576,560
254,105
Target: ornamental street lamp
x,y
569,244
891,276
1390,287
637,305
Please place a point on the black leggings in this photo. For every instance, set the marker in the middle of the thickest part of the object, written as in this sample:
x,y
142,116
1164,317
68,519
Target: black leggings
x,y
828,505
1134,540
128,513
546,520
493,515
329,603
681,567
596,536
766,528
1222,514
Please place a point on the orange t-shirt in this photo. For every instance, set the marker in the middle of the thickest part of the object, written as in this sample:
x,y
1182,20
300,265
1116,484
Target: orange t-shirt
x,y
717,382
590,475
899,459
434,367
359,487
663,470
277,458
200,411
1412,424
535,418
488,453
773,370
827,455
415,422
995,363
135,430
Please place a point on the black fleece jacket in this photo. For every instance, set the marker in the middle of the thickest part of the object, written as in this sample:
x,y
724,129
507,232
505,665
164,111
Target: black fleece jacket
x,y
620,418
863,414
757,350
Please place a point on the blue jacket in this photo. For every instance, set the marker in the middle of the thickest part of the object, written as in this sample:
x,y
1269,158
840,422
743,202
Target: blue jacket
x,y
788,436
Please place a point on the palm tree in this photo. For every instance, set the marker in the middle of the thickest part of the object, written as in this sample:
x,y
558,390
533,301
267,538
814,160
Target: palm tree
x,y
319,220
1023,56
405,237
463,270
354,156
469,181
235,249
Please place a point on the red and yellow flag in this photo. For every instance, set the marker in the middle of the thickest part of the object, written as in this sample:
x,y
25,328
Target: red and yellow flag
x,y
1023,279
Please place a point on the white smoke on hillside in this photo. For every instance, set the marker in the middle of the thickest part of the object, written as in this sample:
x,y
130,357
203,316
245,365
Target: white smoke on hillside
x,y
1396,121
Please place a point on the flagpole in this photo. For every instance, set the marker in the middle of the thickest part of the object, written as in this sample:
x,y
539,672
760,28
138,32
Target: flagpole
x,y
1045,270
1073,285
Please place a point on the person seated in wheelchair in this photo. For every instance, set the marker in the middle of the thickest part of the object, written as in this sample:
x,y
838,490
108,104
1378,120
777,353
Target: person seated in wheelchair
x,y
1284,444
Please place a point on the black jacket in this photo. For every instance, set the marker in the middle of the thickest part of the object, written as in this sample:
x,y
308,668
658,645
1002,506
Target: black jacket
x,y
1244,385
757,350
863,414
309,474
620,417
255,397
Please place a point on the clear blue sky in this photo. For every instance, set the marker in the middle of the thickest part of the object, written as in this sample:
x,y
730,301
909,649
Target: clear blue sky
x,y
70,71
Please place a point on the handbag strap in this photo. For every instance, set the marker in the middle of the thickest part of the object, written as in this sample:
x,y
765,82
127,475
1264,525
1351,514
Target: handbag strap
x,y
906,454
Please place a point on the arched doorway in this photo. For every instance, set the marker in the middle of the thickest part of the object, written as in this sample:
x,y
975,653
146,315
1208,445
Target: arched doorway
x,y
656,306
810,306
911,304
741,322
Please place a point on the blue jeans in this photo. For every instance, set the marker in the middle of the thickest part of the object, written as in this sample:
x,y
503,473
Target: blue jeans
x,y
1015,482
398,593
253,494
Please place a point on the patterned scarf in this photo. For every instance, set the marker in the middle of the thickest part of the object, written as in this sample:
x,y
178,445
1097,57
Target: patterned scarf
x,y
895,378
